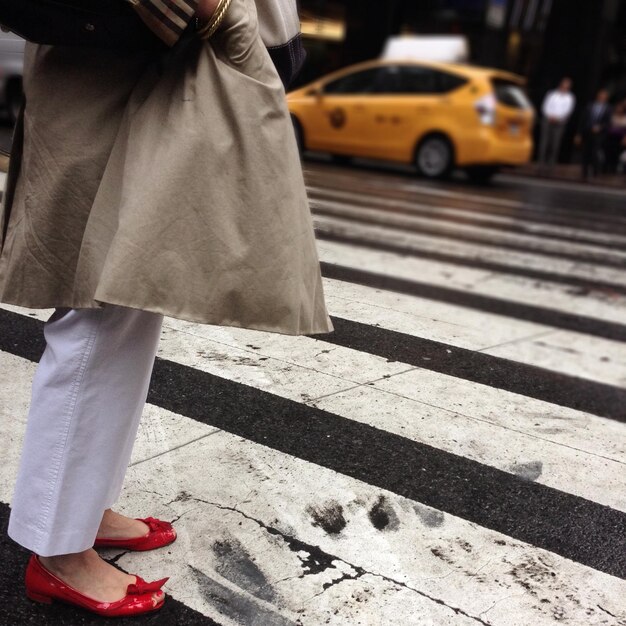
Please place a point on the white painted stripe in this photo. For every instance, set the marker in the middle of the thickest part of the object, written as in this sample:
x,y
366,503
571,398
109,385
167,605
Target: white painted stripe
x,y
337,198
508,258
575,354
552,296
227,491
501,239
566,352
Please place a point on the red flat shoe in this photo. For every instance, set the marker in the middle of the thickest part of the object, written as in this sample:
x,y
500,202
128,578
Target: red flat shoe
x,y
43,586
160,534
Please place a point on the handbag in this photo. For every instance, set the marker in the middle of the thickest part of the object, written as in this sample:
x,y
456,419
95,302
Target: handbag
x,y
87,23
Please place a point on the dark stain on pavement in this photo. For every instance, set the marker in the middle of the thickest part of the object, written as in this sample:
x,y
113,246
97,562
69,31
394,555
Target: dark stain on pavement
x,y
534,575
429,517
237,605
329,517
528,471
440,554
236,564
382,515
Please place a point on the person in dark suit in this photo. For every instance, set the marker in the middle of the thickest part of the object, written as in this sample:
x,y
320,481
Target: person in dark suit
x,y
594,126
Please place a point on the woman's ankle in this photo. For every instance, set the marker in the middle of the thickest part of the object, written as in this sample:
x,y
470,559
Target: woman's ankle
x,y
67,563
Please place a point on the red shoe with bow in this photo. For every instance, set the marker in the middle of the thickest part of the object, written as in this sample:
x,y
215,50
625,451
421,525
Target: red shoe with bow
x,y
160,534
43,586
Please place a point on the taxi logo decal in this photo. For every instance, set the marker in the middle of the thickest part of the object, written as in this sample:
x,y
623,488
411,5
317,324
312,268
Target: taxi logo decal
x,y
337,118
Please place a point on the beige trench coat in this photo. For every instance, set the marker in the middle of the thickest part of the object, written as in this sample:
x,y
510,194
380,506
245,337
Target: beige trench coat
x,y
171,185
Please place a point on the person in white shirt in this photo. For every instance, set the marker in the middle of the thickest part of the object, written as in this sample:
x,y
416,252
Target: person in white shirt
x,y
558,105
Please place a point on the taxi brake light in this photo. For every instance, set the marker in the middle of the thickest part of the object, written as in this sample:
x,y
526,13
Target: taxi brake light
x,y
486,109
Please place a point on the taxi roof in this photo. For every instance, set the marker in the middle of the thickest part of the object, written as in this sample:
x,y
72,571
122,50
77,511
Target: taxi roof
x,y
467,70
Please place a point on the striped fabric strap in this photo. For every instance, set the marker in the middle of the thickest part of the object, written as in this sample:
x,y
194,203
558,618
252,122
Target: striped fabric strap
x,y
166,18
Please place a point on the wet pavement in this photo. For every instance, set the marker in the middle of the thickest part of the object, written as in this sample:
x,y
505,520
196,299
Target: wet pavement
x,y
452,454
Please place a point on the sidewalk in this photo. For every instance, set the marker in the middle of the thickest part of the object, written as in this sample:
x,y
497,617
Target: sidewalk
x,y
569,173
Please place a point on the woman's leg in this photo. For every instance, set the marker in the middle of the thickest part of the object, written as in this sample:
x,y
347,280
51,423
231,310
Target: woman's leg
x,y
88,395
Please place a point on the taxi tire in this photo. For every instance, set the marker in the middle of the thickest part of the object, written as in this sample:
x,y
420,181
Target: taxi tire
x,y
299,133
435,142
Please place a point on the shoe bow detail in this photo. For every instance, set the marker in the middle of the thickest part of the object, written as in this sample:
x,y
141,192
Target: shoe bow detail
x,y
155,524
141,586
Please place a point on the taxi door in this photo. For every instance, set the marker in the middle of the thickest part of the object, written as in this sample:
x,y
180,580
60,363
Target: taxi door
x,y
339,116
411,102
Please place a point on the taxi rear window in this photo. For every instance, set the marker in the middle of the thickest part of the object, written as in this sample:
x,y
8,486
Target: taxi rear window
x,y
510,94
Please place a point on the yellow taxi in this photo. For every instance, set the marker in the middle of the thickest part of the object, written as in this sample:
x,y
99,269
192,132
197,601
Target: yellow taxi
x,y
437,116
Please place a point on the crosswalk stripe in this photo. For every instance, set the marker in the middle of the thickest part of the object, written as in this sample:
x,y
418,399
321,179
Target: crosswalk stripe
x,y
528,380
606,307
508,504
595,254
335,231
320,196
502,255
541,315
397,187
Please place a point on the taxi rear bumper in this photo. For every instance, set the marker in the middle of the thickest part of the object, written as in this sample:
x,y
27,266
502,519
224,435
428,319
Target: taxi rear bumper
x,y
489,147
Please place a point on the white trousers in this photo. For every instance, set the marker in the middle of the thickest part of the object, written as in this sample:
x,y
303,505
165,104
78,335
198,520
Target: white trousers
x,y
88,394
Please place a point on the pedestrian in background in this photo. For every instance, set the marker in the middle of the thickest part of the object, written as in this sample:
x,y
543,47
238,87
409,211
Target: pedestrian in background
x,y
594,125
143,184
558,106
616,137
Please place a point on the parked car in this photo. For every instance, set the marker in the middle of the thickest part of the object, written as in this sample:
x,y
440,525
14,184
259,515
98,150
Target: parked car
x,y
437,116
11,70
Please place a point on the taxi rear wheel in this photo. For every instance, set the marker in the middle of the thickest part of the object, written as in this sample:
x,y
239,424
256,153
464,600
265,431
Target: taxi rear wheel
x,y
434,157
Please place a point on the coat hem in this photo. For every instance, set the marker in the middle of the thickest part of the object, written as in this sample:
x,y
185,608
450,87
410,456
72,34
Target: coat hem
x,y
316,329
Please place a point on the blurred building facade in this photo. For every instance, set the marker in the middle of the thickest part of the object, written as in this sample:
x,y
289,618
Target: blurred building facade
x,y
543,40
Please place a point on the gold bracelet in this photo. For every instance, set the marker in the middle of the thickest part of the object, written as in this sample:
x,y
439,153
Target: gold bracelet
x,y
208,30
